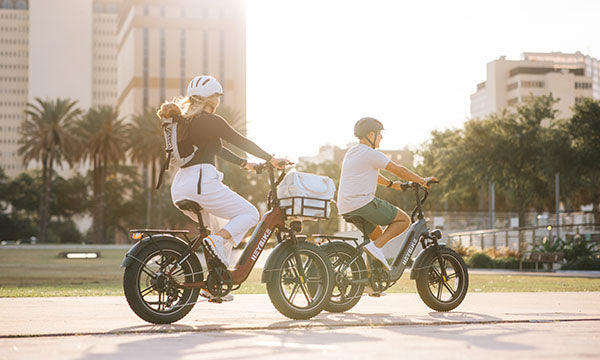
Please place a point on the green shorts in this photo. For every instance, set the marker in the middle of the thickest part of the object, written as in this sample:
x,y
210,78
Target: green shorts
x,y
377,212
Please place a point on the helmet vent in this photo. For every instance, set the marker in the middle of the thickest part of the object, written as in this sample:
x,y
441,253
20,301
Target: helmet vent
x,y
198,82
205,81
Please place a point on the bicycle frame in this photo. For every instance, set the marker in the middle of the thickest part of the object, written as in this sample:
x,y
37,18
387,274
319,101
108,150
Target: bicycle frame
x,y
418,231
272,220
415,232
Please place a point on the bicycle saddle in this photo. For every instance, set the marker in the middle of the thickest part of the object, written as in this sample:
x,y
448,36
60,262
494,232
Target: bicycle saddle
x,y
358,221
189,205
353,219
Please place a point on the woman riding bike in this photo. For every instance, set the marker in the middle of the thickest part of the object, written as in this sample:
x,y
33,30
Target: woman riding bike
x,y
197,140
358,182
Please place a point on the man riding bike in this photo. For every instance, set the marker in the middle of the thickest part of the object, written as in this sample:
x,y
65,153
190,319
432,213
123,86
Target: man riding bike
x,y
358,183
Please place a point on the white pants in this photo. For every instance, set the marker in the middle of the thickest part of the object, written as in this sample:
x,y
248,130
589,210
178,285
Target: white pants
x,y
219,202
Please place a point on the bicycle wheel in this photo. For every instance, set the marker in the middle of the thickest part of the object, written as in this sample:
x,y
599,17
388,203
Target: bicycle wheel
x,y
290,295
149,287
443,294
346,269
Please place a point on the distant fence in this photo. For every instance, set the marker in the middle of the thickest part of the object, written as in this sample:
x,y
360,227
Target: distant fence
x,y
527,237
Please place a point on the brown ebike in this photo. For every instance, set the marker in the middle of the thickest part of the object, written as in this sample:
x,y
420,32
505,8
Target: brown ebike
x,y
163,274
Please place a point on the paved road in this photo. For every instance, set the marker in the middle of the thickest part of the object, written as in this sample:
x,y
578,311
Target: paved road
x,y
492,325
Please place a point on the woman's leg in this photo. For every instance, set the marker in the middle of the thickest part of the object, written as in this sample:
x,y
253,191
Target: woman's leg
x,y
227,204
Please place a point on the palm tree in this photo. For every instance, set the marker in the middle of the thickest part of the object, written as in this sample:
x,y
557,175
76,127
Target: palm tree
x,y
47,136
103,135
145,141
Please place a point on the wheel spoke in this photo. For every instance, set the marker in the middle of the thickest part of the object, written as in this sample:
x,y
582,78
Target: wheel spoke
x,y
148,272
306,293
293,294
308,264
439,294
146,291
177,272
449,288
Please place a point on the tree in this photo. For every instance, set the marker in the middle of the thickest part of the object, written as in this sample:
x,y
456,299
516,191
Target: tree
x,y
145,141
104,139
584,132
47,135
509,149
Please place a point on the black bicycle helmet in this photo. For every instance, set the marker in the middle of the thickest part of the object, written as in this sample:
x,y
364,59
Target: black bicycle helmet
x,y
364,126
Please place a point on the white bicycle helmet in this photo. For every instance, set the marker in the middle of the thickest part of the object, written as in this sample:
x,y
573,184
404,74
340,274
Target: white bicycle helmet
x,y
205,86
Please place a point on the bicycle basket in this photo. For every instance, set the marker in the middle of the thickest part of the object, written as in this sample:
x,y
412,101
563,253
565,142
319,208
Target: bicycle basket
x,y
306,196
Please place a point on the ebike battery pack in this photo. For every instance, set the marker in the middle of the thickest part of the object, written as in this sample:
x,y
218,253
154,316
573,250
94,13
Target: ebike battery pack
x,y
306,196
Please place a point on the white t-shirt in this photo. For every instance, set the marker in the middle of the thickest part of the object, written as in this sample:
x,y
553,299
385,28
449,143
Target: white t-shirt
x,y
358,181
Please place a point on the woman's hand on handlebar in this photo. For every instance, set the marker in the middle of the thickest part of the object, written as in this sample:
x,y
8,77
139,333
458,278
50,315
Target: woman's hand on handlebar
x,y
250,166
280,163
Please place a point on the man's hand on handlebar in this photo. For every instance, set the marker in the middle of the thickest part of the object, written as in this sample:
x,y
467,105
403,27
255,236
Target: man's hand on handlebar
x,y
429,180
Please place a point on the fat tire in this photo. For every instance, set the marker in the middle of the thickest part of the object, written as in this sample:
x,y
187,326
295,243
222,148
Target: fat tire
x,y
423,282
275,291
359,271
131,284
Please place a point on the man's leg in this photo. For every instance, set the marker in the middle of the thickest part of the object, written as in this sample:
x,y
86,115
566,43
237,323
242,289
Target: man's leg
x,y
398,226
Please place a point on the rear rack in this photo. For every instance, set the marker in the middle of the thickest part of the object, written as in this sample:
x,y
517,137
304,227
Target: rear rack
x,y
159,231
333,237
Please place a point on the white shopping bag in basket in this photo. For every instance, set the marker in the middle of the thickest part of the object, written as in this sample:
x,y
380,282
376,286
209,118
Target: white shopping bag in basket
x,y
306,195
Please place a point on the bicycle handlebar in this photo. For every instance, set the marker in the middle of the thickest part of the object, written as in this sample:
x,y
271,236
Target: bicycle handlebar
x,y
416,186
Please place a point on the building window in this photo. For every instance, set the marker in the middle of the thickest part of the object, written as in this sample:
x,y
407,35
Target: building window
x,y
512,86
583,85
532,84
512,101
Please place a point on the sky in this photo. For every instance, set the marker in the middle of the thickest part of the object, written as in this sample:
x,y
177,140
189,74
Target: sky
x,y
314,67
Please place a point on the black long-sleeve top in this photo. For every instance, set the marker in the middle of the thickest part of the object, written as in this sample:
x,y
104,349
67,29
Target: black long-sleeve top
x,y
206,131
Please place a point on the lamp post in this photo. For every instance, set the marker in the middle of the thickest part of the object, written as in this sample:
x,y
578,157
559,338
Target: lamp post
x,y
557,204
492,205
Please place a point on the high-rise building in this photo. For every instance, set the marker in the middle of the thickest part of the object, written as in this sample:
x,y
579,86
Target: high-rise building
x,y
164,44
569,77
14,73
130,53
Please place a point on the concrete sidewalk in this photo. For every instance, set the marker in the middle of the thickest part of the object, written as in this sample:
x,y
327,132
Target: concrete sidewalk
x,y
25,317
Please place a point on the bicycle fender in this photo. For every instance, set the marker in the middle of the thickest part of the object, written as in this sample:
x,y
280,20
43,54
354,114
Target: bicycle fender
x,y
277,251
137,247
420,260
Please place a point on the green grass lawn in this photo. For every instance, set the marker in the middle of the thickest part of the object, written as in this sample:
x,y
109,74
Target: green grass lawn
x,y
31,272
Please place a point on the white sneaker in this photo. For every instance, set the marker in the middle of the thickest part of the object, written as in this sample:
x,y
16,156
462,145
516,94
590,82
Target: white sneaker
x,y
214,244
377,253
205,293
369,291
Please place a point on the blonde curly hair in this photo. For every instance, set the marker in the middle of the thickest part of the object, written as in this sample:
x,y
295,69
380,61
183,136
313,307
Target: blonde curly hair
x,y
188,107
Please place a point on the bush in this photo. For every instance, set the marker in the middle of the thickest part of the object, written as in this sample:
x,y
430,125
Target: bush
x,y
480,260
16,226
464,251
64,232
506,263
583,263
577,248
502,252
